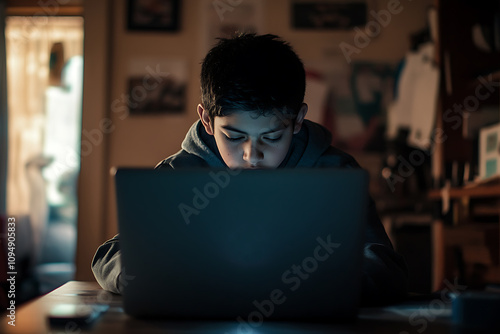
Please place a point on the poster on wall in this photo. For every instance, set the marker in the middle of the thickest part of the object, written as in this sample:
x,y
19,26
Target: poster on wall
x,y
153,15
157,86
355,98
224,18
328,14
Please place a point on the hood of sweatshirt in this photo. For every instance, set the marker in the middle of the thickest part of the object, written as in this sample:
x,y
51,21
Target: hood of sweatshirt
x,y
306,148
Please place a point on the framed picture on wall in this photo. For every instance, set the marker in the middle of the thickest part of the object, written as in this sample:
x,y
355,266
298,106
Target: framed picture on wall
x,y
157,86
328,14
153,15
168,97
221,19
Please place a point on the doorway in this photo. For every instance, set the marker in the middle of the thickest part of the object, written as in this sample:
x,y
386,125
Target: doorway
x,y
44,91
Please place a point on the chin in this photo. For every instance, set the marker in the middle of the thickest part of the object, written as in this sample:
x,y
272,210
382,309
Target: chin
x,y
258,167
247,166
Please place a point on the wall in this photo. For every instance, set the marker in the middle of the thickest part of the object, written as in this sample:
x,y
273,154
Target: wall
x,y
144,141
92,180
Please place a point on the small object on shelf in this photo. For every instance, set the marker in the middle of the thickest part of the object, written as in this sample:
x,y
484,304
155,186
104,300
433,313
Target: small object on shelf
x,y
489,152
445,195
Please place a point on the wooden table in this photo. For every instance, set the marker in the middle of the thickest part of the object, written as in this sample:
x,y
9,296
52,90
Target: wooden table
x,y
432,315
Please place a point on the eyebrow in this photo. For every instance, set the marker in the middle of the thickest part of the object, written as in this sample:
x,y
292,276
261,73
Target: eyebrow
x,y
230,128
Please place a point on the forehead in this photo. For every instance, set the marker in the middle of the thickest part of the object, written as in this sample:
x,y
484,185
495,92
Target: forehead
x,y
252,122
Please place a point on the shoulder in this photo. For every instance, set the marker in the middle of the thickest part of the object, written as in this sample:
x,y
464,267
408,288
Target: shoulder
x,y
334,157
181,159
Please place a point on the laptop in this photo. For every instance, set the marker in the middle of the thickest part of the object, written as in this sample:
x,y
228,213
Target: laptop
x,y
246,245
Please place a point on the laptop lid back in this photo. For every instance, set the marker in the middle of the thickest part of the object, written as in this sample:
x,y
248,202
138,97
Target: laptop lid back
x,y
236,244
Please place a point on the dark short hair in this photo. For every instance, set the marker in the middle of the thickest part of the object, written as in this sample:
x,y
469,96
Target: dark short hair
x,y
250,72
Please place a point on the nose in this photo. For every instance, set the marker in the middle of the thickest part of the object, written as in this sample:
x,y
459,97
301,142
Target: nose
x,y
252,152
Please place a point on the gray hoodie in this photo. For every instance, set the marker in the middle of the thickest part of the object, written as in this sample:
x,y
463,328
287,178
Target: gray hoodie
x,y
385,273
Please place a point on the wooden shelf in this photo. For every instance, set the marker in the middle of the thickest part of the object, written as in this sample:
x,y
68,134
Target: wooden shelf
x,y
478,191
463,70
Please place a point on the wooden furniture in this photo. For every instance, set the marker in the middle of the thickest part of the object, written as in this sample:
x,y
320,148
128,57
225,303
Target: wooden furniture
x,y
480,239
464,92
434,313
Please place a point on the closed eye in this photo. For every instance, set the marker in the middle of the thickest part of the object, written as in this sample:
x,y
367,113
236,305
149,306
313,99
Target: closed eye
x,y
273,139
233,139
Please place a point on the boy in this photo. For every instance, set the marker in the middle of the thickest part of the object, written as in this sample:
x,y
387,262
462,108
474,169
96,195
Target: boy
x,y
252,116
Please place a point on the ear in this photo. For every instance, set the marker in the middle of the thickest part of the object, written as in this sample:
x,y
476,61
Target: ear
x,y
205,119
300,118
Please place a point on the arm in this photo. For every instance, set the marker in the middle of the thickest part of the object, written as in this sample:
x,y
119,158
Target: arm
x,y
106,265
385,274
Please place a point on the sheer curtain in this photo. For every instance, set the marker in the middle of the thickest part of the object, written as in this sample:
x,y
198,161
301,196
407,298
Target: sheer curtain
x,y
29,41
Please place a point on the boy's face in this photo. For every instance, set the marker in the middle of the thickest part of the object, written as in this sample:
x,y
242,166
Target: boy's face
x,y
246,140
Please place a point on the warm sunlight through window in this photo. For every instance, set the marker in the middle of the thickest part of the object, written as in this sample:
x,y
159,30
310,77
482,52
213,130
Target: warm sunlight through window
x,y
44,84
